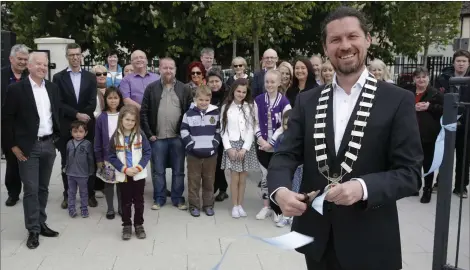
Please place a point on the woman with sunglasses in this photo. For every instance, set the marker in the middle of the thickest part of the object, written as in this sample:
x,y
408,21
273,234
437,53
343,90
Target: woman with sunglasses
x,y
196,75
239,68
101,74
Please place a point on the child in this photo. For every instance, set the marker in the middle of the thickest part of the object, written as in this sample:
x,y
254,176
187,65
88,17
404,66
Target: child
x,y
201,137
238,123
280,219
105,127
271,106
129,153
79,166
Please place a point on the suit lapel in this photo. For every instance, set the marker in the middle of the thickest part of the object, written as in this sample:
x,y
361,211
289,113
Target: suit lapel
x,y
330,131
82,85
30,95
69,84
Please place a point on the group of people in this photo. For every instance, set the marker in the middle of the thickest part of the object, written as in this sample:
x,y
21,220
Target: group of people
x,y
334,127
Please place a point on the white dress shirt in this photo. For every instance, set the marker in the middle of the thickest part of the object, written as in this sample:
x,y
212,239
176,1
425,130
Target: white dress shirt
x,y
343,106
43,105
237,126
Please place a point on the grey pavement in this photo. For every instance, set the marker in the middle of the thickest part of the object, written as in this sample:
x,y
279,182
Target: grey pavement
x,y
177,241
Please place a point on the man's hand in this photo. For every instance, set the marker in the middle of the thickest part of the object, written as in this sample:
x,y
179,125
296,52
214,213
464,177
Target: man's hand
x,y
83,117
18,153
290,202
346,193
153,138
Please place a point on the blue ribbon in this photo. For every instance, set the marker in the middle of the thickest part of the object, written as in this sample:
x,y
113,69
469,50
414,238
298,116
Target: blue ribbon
x,y
439,147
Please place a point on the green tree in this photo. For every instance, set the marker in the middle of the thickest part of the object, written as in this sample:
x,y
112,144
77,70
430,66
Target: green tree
x,y
267,22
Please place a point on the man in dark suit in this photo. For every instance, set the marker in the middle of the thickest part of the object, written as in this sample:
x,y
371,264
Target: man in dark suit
x,y
31,129
359,140
13,73
269,59
77,88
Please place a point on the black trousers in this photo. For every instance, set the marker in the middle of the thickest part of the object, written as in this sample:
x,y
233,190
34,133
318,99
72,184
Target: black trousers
x,y
220,182
329,261
459,162
12,175
428,151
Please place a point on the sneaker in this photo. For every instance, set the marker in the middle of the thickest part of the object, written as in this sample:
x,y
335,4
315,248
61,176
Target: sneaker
x,y
84,212
182,206
72,212
276,217
126,232
235,212
263,213
283,221
110,215
194,212
64,204
209,211
156,206
140,232
241,211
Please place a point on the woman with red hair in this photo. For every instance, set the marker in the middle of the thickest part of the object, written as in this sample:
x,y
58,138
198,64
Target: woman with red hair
x,y
196,75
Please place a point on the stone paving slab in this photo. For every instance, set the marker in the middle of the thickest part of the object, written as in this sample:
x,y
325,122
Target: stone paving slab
x,y
177,241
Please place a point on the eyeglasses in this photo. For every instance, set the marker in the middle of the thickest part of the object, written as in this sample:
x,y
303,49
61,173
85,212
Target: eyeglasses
x,y
196,73
101,74
237,66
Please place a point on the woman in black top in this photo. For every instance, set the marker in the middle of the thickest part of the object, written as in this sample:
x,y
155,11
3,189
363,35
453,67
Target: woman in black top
x,y
304,79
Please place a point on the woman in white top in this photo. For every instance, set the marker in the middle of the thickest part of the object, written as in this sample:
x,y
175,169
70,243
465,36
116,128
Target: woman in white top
x,y
238,116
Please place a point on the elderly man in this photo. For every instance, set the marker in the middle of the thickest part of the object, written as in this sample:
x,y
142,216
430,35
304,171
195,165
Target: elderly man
x,y
133,85
269,60
78,97
337,131
207,58
32,128
11,74
163,106
316,63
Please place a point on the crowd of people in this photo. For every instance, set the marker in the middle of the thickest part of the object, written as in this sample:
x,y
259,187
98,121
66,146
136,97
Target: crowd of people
x,y
114,127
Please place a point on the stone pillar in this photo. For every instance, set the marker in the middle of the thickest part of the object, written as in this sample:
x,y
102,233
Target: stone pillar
x,y
56,47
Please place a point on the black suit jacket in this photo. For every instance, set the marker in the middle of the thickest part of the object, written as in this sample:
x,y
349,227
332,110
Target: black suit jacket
x,y
366,234
21,118
257,84
70,107
6,74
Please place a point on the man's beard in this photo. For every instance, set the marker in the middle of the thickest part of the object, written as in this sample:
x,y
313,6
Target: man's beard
x,y
168,79
351,69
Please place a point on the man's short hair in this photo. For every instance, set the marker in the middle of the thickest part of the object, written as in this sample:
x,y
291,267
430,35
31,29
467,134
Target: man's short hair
x,y
207,51
77,124
71,46
203,90
19,48
459,53
343,12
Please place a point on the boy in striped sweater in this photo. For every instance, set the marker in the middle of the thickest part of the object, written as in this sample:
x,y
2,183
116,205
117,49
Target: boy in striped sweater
x,y
200,132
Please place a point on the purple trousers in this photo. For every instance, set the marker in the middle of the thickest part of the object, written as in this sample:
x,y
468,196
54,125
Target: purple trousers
x,y
82,184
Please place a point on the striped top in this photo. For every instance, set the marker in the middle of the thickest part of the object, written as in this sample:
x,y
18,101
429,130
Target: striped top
x,y
200,131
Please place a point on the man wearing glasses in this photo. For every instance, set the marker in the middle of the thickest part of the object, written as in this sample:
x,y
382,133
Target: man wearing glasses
x,y
77,89
269,60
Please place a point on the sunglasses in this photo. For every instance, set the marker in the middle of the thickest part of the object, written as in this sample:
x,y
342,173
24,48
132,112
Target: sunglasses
x,y
196,73
101,74
237,66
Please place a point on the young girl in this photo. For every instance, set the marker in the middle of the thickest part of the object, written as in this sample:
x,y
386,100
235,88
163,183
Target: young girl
x,y
105,127
271,107
282,220
238,123
327,72
129,153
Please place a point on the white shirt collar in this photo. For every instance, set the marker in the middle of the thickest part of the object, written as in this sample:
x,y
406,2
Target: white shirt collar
x,y
34,84
244,76
360,82
70,70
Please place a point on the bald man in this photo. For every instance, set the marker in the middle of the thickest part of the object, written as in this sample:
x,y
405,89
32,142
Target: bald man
x,y
269,60
31,121
133,85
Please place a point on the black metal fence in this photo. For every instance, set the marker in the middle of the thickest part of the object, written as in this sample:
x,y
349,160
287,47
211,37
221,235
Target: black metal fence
x,y
402,70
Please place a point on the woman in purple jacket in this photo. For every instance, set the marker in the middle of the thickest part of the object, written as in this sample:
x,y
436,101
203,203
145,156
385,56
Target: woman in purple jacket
x,y
106,124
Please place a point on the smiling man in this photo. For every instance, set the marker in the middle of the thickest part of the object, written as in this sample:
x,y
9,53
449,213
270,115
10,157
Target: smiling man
x,y
359,140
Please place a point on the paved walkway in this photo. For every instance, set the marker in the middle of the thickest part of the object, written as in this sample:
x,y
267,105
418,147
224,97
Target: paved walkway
x,y
177,241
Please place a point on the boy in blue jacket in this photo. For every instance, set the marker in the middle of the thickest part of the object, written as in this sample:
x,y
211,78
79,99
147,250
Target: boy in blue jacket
x,y
200,132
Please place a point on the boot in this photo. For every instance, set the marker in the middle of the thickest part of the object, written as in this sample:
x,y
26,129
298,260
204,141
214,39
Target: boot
x,y
426,198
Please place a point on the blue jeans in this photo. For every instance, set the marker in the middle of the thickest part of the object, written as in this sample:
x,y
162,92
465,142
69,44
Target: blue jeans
x,y
162,150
